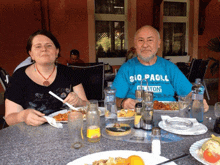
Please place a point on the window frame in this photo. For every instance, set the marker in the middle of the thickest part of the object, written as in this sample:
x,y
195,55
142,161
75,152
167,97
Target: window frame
x,y
129,29
180,19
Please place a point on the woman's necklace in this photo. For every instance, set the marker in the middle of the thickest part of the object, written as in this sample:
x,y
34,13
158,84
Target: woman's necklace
x,y
45,83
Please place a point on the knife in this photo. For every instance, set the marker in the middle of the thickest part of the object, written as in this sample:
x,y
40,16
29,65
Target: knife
x,y
179,157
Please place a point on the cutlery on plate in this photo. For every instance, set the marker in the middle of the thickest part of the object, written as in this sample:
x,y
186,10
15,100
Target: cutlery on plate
x,y
176,158
53,122
54,95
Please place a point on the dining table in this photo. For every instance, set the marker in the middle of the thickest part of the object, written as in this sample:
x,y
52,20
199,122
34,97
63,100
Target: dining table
x,y
44,144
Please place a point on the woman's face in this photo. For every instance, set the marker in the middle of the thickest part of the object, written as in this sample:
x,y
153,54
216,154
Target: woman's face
x,y
43,50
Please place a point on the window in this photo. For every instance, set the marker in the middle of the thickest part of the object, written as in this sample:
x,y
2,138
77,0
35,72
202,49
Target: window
x,y
110,27
175,27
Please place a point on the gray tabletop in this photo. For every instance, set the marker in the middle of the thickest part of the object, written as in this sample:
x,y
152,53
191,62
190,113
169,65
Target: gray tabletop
x,y
22,144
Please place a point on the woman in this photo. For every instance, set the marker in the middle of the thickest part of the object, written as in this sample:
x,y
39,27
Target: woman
x,y
27,98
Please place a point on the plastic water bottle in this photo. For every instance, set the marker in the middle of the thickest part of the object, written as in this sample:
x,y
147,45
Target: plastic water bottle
x,y
110,105
197,107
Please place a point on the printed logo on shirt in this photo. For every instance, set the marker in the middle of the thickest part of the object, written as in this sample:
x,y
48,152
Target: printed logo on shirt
x,y
155,89
149,77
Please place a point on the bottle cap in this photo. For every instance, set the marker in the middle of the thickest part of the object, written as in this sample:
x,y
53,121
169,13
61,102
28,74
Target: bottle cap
x,y
156,131
109,83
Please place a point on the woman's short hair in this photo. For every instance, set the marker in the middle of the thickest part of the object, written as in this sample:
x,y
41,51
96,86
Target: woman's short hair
x,y
41,32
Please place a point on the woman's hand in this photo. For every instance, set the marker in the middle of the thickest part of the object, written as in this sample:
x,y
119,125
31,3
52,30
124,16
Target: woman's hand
x,y
73,99
33,117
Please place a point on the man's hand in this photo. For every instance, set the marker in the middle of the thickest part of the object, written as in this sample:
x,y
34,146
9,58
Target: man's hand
x,y
206,106
129,103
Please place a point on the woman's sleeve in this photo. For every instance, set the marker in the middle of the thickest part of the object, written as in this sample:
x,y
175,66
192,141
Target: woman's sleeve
x,y
15,90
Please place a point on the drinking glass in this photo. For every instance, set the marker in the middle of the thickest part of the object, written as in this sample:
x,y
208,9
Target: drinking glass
x,y
217,114
184,103
217,109
75,126
148,98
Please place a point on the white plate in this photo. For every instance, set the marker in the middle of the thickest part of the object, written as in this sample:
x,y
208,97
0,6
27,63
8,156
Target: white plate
x,y
125,118
196,129
102,109
147,157
194,151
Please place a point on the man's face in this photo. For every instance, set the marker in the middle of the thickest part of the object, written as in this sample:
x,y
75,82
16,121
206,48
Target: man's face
x,y
74,58
147,43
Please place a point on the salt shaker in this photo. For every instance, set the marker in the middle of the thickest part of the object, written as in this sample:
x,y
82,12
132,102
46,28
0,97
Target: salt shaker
x,y
155,141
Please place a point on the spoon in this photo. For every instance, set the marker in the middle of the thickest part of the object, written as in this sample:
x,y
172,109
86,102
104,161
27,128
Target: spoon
x,y
54,95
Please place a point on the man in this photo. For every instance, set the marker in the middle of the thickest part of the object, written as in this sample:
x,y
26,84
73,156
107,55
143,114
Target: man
x,y
74,57
163,77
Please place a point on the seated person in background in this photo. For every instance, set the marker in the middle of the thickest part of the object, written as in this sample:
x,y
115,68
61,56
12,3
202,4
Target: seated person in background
x,y
27,97
61,60
74,57
26,62
164,78
131,53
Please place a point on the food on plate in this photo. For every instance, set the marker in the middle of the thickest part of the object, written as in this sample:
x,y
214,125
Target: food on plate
x,y
158,105
131,160
210,150
64,116
125,113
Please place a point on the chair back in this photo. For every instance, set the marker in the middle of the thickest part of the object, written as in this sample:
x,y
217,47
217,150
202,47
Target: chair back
x,y
92,79
198,69
4,78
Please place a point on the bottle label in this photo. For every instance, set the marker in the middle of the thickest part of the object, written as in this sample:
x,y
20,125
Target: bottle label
x,y
110,98
197,97
137,119
93,132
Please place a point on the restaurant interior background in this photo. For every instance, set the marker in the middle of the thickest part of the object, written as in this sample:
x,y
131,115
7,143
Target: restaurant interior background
x,y
74,23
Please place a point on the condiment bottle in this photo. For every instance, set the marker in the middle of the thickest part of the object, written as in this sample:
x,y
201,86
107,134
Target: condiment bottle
x,y
93,122
138,115
155,141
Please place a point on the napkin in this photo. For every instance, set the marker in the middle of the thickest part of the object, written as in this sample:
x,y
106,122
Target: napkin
x,y
196,129
53,122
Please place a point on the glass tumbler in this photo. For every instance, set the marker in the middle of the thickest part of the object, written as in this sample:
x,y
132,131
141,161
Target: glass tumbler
x,y
217,121
75,126
184,103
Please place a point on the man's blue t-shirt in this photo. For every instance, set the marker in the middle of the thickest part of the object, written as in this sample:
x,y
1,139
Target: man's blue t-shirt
x,y
164,79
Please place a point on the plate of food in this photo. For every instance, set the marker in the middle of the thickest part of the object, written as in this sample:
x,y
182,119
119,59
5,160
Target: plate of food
x,y
166,106
207,151
120,156
62,115
125,114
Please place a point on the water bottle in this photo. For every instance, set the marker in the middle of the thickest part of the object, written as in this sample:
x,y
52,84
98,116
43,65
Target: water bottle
x,y
197,107
110,105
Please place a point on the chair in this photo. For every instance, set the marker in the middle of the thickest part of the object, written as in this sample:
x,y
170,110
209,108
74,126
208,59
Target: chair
x,y
198,69
4,80
184,67
92,79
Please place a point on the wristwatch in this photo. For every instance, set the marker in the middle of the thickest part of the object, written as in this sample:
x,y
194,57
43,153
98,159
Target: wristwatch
x,y
122,103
